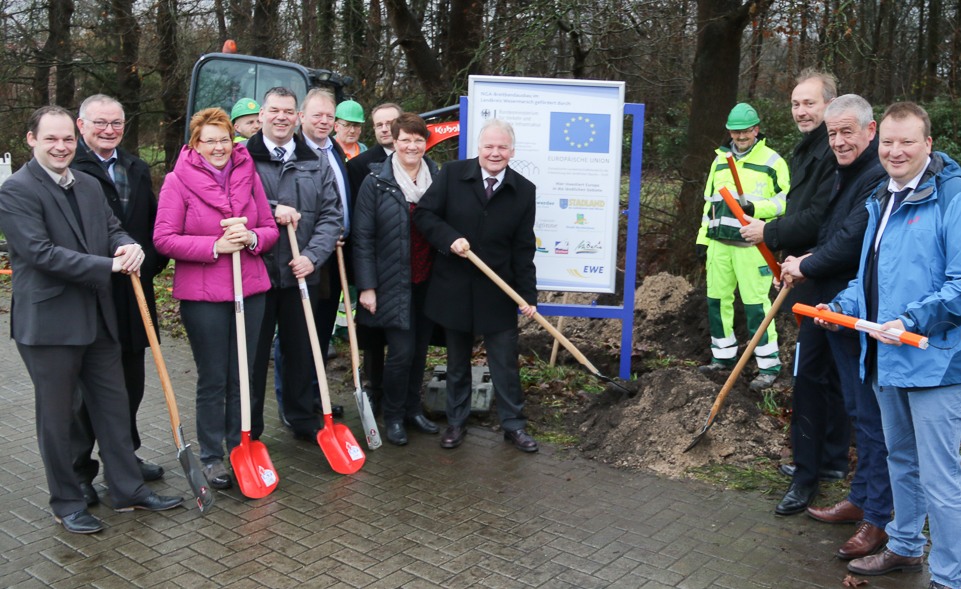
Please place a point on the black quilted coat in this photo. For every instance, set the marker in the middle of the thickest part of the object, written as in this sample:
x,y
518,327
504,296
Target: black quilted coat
x,y
380,235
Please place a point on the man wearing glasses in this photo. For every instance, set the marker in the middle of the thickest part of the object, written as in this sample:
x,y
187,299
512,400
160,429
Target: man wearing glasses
x,y
125,180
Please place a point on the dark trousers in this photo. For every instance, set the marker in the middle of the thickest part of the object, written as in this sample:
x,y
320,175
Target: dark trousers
x,y
820,429
406,358
871,485
325,313
501,349
57,372
212,331
284,309
81,430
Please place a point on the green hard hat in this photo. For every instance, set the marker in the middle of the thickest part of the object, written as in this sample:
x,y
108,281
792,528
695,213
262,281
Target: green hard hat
x,y
743,116
244,106
350,110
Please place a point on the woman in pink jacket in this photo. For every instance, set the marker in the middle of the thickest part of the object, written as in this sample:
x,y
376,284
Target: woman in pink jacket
x,y
214,179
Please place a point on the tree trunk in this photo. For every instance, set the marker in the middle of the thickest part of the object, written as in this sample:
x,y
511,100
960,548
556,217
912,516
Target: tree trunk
x,y
172,84
932,54
128,73
717,63
465,34
421,57
265,42
57,52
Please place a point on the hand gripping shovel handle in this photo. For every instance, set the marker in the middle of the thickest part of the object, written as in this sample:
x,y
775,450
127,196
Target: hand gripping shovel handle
x,y
905,337
360,395
544,322
337,442
741,363
253,469
772,262
192,469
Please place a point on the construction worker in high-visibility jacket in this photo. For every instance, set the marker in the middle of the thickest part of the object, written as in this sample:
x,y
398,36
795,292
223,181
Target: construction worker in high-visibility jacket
x,y
732,262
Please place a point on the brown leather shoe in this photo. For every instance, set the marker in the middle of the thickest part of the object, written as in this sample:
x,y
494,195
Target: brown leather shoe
x,y
844,512
868,539
885,562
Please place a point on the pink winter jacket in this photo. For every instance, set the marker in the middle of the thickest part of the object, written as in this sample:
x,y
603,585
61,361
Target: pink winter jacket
x,y
189,212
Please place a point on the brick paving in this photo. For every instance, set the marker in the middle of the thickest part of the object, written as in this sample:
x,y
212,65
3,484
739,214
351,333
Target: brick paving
x,y
483,515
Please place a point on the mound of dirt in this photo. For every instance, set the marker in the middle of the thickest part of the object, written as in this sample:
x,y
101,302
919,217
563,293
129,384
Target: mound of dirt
x,y
671,406
673,399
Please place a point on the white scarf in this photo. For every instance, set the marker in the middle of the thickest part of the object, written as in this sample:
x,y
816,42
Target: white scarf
x,y
412,189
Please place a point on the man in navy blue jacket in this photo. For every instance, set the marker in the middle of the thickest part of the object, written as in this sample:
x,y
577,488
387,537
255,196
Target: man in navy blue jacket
x,y
829,267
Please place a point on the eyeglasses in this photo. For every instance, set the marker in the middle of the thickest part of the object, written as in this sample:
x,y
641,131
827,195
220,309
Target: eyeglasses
x,y
101,125
217,142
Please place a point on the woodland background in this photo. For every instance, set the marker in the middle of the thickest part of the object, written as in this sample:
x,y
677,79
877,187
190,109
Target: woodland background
x,y
688,61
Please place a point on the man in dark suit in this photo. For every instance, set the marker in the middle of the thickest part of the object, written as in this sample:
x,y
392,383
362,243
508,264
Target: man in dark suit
x,y
371,338
125,180
317,123
64,245
482,205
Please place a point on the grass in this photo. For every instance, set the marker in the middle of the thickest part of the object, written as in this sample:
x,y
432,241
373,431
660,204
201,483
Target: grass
x,y
762,476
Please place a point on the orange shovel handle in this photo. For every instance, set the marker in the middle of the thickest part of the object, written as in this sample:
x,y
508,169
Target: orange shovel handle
x,y
739,214
905,337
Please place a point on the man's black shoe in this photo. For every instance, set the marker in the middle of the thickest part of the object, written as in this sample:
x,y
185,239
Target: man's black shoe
x,y
89,494
797,499
521,440
824,474
453,436
422,424
80,522
150,472
396,434
153,502
335,410
306,436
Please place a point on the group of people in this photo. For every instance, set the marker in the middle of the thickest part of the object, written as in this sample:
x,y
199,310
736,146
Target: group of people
x,y
868,228
81,220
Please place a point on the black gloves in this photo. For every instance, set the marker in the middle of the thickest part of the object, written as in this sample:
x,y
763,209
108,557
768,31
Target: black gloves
x,y
700,251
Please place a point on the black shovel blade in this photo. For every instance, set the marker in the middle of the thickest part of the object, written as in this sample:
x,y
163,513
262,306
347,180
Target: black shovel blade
x,y
195,478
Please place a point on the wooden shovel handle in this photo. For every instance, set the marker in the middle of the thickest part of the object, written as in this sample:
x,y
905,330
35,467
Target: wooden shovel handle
x,y
233,221
351,327
748,351
537,316
158,359
311,327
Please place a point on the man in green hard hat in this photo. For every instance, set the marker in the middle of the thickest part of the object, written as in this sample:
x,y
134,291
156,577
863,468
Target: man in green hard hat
x,y
733,263
245,115
348,119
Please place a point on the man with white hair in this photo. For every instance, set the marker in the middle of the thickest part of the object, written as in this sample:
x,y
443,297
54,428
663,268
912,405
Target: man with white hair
x,y
457,214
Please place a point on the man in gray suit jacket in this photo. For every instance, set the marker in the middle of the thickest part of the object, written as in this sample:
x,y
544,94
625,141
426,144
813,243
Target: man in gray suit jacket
x,y
64,245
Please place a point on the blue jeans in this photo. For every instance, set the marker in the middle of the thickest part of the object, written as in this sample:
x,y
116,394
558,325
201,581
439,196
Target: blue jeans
x,y
922,429
871,485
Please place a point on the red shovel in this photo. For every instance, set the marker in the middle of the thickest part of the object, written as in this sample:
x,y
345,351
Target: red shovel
x,y
255,472
336,440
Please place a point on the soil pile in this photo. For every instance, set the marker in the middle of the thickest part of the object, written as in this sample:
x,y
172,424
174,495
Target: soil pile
x,y
673,399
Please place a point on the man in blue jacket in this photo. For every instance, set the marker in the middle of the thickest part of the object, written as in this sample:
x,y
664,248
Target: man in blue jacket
x,y
828,269
910,278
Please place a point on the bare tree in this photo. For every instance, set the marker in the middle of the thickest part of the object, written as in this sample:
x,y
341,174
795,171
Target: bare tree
x,y
171,80
717,63
128,72
57,52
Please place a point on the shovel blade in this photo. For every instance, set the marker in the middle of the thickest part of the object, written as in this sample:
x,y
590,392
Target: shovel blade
x,y
367,419
340,447
253,469
195,478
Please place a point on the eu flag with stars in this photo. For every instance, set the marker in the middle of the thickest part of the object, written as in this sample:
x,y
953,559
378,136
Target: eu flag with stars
x,y
580,132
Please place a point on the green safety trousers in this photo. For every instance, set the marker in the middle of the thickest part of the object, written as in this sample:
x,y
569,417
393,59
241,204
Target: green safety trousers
x,y
731,267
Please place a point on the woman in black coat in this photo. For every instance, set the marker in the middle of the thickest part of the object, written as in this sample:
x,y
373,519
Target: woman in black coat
x,y
392,262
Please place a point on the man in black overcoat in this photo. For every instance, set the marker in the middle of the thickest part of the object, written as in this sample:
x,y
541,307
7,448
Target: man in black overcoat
x,y
125,180
482,205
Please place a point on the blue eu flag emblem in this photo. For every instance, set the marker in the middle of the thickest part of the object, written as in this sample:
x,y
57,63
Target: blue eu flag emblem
x,y
581,132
